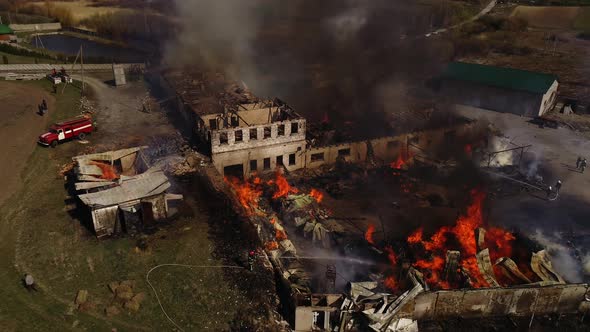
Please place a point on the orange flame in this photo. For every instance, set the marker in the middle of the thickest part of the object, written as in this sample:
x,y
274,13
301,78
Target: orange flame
x,y
283,186
247,192
401,160
108,171
280,235
391,255
390,283
369,234
497,240
318,195
271,245
416,237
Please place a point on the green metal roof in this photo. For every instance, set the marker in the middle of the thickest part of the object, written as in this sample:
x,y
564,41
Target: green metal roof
x,y
507,78
5,30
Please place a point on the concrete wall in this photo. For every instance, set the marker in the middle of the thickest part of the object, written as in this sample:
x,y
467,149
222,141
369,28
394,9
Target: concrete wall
x,y
247,142
35,27
385,149
244,156
549,99
491,98
491,302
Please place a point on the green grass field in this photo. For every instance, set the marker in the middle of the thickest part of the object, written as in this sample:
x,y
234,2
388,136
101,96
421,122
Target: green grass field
x,y
582,21
39,236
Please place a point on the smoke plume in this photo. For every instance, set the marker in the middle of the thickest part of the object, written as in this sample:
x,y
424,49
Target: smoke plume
x,y
562,256
331,57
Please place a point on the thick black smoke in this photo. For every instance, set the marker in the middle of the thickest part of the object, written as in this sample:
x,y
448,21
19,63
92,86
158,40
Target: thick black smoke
x,y
347,60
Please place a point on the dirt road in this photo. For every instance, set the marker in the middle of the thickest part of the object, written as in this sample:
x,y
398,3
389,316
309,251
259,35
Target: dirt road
x,y
119,118
20,126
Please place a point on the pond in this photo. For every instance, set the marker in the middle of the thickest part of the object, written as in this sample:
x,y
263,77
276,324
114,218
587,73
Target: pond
x,y
69,45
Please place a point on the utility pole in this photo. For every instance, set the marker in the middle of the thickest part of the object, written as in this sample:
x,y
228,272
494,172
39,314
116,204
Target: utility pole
x,y
82,63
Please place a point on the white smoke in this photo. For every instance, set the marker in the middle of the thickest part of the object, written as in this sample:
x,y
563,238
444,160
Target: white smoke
x,y
498,143
562,257
346,25
217,33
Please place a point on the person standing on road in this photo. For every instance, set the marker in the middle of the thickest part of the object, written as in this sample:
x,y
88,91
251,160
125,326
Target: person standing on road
x,y
558,186
583,165
578,162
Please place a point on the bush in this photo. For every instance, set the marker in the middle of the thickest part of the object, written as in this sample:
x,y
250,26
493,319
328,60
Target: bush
x,y
492,23
22,52
515,24
471,46
62,14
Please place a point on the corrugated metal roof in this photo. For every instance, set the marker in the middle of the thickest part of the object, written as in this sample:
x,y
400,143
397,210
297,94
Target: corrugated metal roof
x,y
5,30
144,185
507,78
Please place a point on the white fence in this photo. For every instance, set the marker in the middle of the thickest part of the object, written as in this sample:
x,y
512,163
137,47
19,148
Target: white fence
x,y
46,68
35,27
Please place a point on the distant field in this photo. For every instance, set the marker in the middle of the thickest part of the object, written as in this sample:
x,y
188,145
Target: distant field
x,y
83,9
582,22
548,17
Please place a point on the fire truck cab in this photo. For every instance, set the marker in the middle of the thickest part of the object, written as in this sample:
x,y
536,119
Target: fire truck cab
x,y
65,130
59,77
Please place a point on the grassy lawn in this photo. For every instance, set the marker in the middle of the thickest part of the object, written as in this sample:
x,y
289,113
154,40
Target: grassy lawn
x,y
82,9
582,21
38,235
18,59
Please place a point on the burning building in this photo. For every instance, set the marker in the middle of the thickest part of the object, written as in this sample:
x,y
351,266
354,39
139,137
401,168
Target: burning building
x,y
121,190
243,134
458,268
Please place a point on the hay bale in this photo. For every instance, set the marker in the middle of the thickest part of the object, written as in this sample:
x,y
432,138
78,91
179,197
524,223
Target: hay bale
x,y
81,297
129,283
139,297
124,292
86,306
111,311
113,286
132,305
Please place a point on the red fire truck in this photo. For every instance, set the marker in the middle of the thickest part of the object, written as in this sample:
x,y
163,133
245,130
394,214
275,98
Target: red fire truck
x,y
78,127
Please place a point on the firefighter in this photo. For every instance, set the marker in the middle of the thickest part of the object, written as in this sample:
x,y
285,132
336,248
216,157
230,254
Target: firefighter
x,y
251,259
558,186
583,165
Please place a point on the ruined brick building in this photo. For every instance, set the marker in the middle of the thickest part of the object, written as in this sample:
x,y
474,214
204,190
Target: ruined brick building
x,y
244,134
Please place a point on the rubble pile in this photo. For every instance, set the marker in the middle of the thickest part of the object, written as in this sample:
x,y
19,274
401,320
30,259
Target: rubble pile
x,y
124,297
468,256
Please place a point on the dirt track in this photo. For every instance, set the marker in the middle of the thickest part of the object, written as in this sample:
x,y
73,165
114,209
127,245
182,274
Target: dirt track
x,y
20,126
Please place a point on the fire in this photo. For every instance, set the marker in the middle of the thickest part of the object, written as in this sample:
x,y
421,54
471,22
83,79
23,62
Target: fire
x,y
401,160
468,149
108,171
280,235
462,233
247,192
391,255
283,186
369,234
318,195
416,237
390,283
271,245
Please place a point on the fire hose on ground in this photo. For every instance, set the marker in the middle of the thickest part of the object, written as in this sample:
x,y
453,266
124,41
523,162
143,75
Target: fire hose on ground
x,y
147,278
